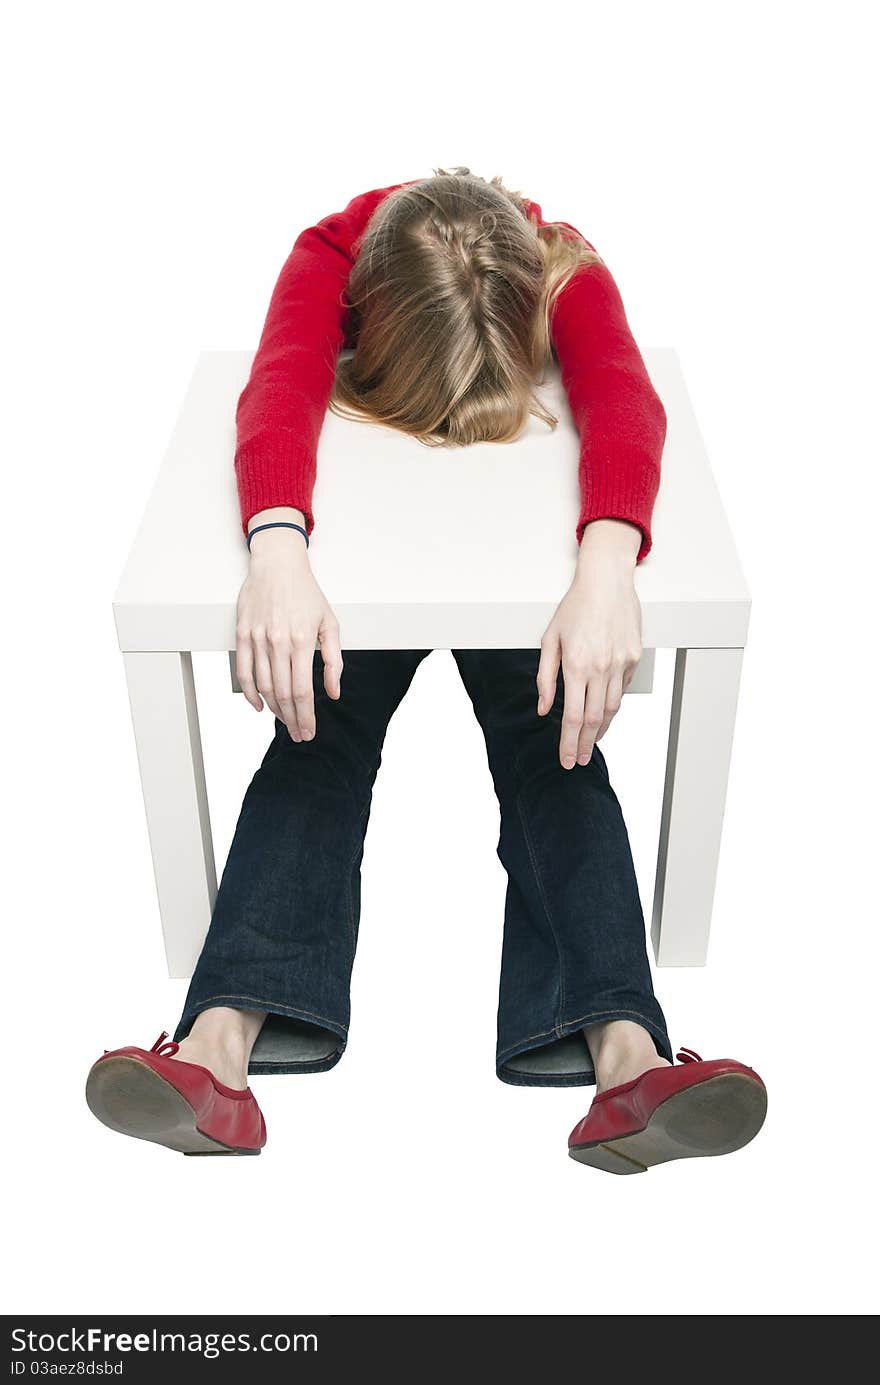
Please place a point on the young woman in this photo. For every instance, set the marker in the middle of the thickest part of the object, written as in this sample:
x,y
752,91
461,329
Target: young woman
x,y
454,293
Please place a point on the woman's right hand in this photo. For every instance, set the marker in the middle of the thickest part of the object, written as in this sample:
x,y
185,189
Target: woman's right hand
x,y
282,615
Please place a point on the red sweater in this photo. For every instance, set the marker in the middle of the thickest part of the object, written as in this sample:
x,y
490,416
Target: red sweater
x,y
619,416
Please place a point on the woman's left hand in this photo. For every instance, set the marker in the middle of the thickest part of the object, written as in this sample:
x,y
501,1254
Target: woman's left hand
x,y
596,634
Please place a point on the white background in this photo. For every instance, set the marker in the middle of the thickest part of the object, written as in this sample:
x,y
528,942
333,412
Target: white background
x,y
161,159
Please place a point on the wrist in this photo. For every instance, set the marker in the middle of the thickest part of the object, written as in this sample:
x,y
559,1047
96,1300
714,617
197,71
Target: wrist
x,y
283,542
284,545
613,541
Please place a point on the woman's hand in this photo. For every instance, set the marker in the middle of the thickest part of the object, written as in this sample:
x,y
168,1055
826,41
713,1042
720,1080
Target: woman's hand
x,y
596,633
282,615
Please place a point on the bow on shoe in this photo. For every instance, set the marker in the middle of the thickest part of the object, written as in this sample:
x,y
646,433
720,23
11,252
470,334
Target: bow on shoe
x,y
163,1049
687,1055
159,1047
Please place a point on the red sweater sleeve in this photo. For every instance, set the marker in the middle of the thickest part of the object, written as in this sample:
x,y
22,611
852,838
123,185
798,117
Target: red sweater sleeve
x,y
618,413
282,407
280,412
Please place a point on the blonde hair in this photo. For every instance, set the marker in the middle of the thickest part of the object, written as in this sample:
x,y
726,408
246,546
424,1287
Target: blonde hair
x,y
451,298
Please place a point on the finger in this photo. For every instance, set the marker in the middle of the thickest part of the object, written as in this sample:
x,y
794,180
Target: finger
x,y
303,687
594,713
244,669
613,700
282,682
331,652
548,673
572,715
263,673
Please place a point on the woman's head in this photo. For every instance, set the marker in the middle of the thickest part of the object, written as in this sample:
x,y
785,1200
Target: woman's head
x,y
451,296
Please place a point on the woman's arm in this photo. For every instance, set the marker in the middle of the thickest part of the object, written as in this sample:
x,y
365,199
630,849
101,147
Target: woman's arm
x,y
618,413
596,631
282,612
282,408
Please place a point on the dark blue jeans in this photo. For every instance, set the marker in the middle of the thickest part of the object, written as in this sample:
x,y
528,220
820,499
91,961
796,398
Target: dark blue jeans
x,y
284,929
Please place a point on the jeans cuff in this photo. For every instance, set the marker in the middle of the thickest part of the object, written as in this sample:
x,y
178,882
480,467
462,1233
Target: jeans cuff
x,y
574,1074
289,1042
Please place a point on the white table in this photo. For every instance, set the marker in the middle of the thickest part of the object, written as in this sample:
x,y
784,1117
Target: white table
x,y
426,548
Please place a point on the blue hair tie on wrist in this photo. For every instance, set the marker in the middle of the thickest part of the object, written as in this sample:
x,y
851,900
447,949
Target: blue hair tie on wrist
x,y
276,524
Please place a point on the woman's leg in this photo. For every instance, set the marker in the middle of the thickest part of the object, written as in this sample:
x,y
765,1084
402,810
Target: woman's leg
x,y
621,1050
221,1039
270,991
576,998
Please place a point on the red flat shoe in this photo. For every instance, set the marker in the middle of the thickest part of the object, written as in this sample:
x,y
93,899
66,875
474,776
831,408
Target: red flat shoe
x,y
700,1108
148,1095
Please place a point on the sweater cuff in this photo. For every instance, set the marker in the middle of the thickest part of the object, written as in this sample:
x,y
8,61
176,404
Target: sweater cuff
x,y
271,471
618,492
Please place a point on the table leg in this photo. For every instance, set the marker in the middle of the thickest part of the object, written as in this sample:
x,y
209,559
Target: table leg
x,y
233,676
162,695
704,698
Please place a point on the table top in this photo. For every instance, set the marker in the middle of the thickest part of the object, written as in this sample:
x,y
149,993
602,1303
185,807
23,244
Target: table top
x,y
420,547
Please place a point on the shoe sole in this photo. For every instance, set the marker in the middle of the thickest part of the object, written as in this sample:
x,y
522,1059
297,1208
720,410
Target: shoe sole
x,y
713,1117
131,1098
